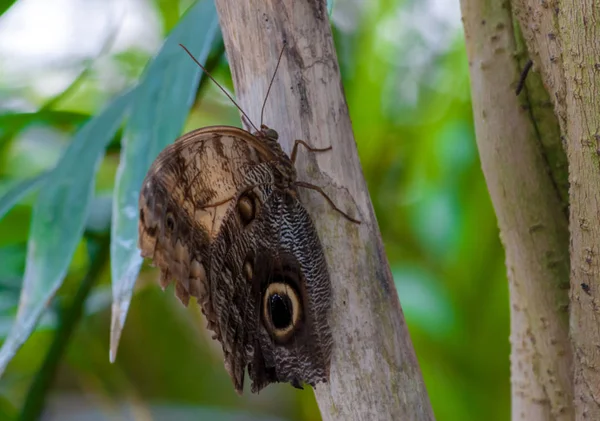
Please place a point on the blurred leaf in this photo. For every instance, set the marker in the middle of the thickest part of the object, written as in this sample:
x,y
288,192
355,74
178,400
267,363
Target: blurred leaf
x,y
98,300
161,105
13,261
7,409
169,10
69,315
16,193
100,213
80,78
155,412
5,5
47,321
13,123
54,117
58,220
15,226
434,220
132,62
424,301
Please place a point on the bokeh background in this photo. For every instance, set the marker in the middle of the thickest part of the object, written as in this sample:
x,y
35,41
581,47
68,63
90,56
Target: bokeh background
x,y
405,75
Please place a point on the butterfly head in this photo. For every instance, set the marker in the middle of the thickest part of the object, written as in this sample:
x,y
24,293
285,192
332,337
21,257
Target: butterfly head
x,y
267,133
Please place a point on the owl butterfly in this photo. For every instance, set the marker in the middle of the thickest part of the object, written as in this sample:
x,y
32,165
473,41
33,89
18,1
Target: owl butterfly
x,y
219,214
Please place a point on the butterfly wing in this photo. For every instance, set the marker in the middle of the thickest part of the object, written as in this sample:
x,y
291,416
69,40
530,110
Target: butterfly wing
x,y
184,199
271,292
215,218
295,288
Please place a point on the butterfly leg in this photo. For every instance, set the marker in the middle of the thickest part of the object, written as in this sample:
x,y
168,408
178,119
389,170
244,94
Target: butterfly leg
x,y
320,190
307,146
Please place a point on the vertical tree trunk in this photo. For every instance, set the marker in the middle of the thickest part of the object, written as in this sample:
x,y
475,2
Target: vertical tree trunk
x,y
563,41
531,215
374,372
579,24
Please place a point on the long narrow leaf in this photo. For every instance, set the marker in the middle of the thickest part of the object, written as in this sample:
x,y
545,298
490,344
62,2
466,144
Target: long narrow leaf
x,y
17,192
58,220
5,5
162,103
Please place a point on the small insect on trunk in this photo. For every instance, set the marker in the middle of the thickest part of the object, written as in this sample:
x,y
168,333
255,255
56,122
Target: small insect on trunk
x,y
220,216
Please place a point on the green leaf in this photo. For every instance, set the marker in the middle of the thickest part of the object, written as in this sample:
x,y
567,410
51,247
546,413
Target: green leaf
x,y
18,191
161,105
5,5
59,215
169,11
12,123
17,121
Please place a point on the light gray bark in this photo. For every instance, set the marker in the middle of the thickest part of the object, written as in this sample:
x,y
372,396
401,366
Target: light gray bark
x,y
514,137
563,39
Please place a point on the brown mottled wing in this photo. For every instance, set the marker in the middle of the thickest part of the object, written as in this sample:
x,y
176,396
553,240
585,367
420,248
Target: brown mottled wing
x,y
216,218
178,221
280,245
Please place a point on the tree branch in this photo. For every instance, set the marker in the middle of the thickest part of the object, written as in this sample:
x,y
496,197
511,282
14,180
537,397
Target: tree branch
x,y
531,217
563,37
374,372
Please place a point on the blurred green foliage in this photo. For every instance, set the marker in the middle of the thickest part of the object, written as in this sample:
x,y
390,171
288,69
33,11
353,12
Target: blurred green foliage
x,y
409,101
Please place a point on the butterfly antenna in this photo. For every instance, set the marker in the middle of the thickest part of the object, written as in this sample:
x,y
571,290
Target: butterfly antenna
x,y
220,87
262,111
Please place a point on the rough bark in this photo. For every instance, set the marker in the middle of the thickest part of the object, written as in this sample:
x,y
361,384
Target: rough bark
x,y
374,371
525,185
563,39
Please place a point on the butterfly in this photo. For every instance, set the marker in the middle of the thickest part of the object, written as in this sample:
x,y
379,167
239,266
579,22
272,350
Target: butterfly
x,y
219,214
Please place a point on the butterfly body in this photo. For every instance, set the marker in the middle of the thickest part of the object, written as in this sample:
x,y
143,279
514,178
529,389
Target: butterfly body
x,y
220,215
